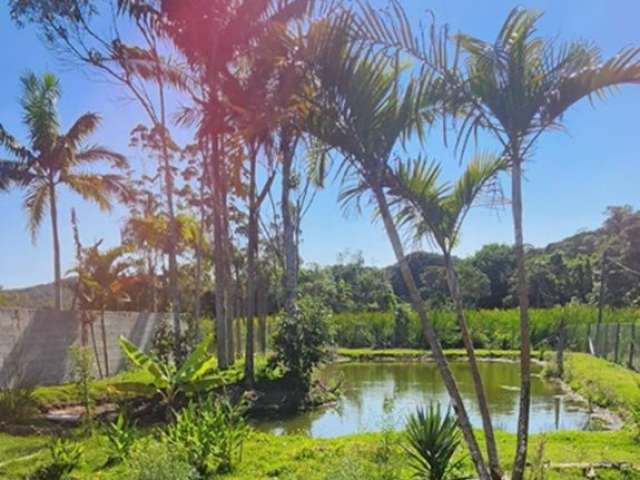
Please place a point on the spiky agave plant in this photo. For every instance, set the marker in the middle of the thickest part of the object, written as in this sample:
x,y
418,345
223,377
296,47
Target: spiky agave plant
x,y
432,439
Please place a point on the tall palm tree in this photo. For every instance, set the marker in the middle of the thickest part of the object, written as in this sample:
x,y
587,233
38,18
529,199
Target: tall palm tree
x,y
437,210
516,88
54,159
362,111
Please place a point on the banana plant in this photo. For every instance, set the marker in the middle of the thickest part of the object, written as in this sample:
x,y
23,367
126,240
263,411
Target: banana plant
x,y
196,374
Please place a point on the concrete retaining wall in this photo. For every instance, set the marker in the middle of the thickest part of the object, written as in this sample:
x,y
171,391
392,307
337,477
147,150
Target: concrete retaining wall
x,y
34,344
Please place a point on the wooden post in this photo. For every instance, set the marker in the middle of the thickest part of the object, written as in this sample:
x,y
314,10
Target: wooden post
x,y
603,274
632,345
586,348
560,352
616,351
606,341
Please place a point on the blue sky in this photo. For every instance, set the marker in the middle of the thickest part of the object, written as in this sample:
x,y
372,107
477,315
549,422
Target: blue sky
x,y
573,177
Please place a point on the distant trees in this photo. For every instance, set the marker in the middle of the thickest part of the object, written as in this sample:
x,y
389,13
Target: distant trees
x,y
54,159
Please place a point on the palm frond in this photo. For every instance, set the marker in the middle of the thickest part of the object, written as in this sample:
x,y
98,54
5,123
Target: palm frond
x,y
97,188
13,174
14,147
81,129
98,153
36,201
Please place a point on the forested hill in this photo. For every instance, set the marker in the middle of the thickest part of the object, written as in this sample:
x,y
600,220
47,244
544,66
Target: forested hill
x,y
37,296
564,271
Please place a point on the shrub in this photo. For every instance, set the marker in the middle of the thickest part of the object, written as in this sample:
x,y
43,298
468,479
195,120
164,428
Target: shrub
x,y
300,341
432,441
195,374
152,460
17,404
65,456
121,436
383,454
82,371
208,435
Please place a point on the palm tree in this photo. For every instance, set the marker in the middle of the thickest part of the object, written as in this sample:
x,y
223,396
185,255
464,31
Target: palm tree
x,y
362,111
517,88
102,284
54,159
437,211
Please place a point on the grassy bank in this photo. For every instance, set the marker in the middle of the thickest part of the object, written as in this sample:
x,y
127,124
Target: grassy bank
x,y
414,354
301,458
604,383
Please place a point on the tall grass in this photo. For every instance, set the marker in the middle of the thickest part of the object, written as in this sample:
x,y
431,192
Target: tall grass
x,y
496,329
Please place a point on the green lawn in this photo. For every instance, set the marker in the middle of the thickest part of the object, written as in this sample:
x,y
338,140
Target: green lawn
x,y
296,457
301,458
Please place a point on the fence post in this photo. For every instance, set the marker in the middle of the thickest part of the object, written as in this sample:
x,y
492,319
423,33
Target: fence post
x,y
588,338
633,344
560,352
606,341
616,350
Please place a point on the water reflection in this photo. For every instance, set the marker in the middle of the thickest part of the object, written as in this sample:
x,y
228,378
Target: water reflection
x,y
366,385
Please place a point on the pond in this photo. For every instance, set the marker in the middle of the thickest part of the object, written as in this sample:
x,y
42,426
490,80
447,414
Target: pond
x,y
404,386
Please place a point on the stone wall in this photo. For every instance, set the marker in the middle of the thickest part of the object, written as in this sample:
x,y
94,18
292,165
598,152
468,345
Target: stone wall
x,y
34,344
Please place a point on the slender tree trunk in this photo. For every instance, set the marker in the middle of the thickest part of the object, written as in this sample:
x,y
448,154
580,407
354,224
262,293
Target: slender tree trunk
x,y
105,352
219,259
57,286
483,405
520,460
288,227
174,290
432,337
96,353
250,303
262,314
197,308
231,289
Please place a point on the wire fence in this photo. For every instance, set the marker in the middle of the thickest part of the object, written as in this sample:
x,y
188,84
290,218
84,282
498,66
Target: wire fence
x,y
616,342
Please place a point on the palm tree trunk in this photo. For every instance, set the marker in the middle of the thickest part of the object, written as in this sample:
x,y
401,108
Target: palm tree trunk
x,y
174,290
105,353
431,336
250,306
523,300
57,286
219,259
483,405
288,227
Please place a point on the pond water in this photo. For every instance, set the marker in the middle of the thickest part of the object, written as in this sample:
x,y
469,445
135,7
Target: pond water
x,y
365,386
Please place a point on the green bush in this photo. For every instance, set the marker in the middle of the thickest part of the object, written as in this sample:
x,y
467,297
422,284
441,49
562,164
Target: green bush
x,y
208,435
65,457
152,460
121,436
17,404
300,341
